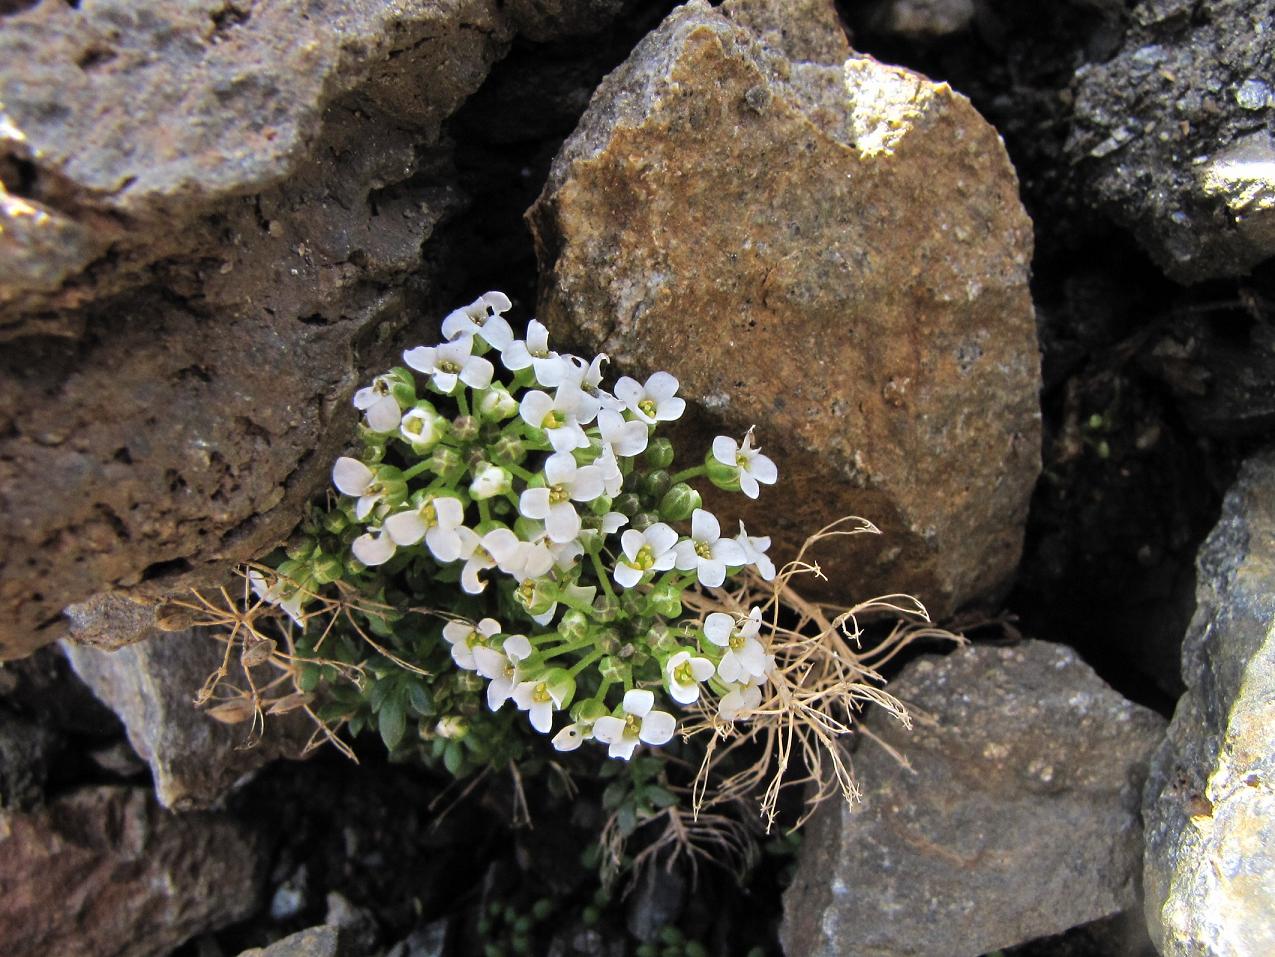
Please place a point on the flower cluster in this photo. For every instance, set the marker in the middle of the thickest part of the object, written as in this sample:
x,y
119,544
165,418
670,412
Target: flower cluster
x,y
506,467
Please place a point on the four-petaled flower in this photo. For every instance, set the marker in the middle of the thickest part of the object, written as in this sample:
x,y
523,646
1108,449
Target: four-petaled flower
x,y
738,701
684,672
481,318
540,699
648,551
572,736
635,723
435,520
501,668
755,552
548,366
449,363
565,482
465,637
353,478
745,657
653,402
706,552
561,416
377,402
752,466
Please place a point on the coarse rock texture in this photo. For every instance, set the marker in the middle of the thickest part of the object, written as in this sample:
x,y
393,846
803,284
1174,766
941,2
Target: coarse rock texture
x,y
213,217
836,254
320,941
151,685
105,872
27,750
1018,818
1174,134
798,29
1210,798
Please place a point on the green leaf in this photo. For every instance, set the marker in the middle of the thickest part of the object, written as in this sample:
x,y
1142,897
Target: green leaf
x,y
419,698
614,794
658,796
392,722
454,758
377,693
308,678
626,819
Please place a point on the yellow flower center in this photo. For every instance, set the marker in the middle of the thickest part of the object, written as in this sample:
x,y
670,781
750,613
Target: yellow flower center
x,y
429,515
737,641
645,559
448,366
682,674
632,725
558,494
554,420
648,407
414,425
704,550
741,460
527,591
541,693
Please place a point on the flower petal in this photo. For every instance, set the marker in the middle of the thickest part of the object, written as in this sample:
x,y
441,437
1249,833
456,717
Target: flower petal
x,y
660,537
406,528
373,550
384,415
712,573
704,526
657,727
563,523
638,701
661,386
476,372
421,358
608,729
350,476
534,503
724,449
718,626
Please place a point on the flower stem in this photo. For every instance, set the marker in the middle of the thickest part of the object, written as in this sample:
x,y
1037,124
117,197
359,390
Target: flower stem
x,y
461,402
602,576
584,662
484,510
690,473
415,470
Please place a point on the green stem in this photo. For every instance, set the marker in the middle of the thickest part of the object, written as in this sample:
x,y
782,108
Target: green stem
x,y
584,662
602,577
415,470
546,653
691,473
461,402
519,471
484,510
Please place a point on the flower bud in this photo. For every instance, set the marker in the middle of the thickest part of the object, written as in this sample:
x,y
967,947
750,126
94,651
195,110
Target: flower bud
x,y
600,505
422,427
659,453
561,685
402,386
660,636
612,669
327,568
452,727
605,608
609,641
574,625
628,504
679,502
653,485
490,481
373,451
335,522
301,548
665,600
589,710
353,566
643,520
507,448
724,476
444,460
465,428
536,596
496,404
632,602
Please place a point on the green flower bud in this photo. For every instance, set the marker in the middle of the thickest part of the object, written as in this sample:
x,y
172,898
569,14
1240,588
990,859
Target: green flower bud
x,y
496,404
609,641
507,448
353,566
526,528
653,485
327,568
452,727
335,522
589,710
659,453
600,505
643,520
465,428
632,603
628,504
665,600
612,669
444,460
605,608
300,549
561,685
724,476
490,481
423,427
574,625
679,502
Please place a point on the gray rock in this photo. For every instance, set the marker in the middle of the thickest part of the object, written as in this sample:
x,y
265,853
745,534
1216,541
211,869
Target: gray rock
x,y
800,30
427,941
106,872
1017,819
321,941
919,19
151,685
835,254
27,750
1171,132
1210,798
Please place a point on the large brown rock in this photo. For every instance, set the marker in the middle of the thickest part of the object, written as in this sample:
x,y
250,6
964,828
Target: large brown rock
x,y
105,872
836,254
213,218
1016,817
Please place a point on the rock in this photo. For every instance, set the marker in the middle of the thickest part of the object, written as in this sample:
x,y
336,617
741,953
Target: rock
x,y
798,29
427,941
105,872
1173,133
834,254
919,19
656,902
151,685
224,215
1018,818
1210,798
322,941
27,751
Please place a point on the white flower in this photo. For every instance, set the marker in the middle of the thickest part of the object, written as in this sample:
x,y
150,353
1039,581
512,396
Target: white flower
x,y
561,416
539,699
465,638
449,362
519,559
549,367
755,552
353,478
706,551
587,377
572,736
752,465
648,551
621,436
653,402
490,481
745,657
481,318
422,427
565,482
609,465
501,667
273,594
378,403
373,548
477,558
496,404
739,700
639,723
683,672
435,520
